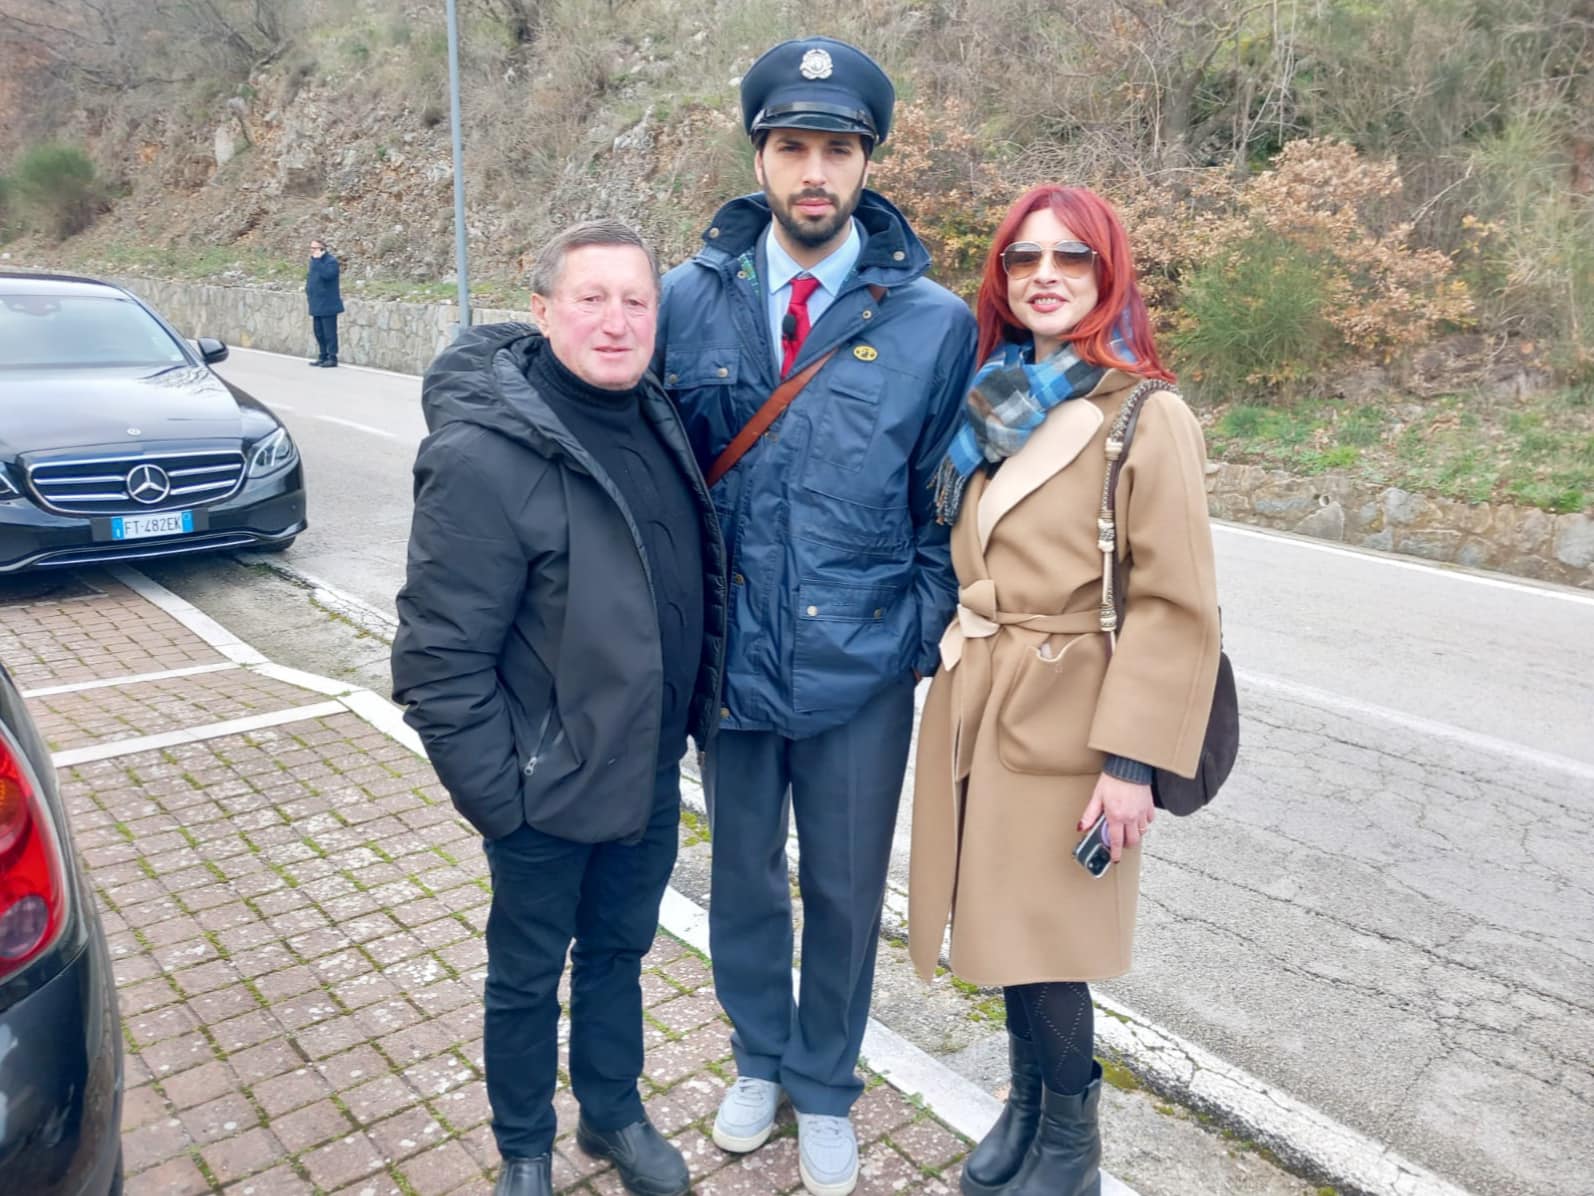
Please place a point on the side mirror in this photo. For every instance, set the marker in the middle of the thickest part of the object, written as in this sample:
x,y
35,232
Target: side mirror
x,y
211,350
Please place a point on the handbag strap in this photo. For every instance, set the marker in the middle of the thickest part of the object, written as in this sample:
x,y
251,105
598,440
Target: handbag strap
x,y
1119,437
772,409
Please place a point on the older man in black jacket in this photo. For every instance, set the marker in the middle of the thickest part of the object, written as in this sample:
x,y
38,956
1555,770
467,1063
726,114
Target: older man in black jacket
x,y
560,633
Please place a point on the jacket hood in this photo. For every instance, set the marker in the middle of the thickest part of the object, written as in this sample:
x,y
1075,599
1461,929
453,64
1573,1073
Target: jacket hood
x,y
892,254
482,379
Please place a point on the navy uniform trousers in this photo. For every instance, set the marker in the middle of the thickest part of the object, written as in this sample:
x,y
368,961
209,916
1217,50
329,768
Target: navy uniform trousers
x,y
548,891
326,336
843,786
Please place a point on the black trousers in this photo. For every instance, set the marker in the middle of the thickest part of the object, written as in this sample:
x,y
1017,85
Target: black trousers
x,y
605,896
326,336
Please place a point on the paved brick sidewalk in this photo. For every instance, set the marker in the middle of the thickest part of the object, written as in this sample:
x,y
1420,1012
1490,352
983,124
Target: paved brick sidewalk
x,y
295,913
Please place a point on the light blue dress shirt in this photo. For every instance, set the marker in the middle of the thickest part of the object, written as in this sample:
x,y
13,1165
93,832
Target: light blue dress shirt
x,y
831,273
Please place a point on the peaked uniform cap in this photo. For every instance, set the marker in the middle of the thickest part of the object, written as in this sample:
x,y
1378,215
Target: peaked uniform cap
x,y
817,83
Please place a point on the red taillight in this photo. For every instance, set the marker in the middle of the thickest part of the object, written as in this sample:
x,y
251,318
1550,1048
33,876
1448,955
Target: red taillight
x,y
32,873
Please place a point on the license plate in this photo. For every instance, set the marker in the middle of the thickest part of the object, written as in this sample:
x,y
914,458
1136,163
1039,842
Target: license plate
x,y
138,527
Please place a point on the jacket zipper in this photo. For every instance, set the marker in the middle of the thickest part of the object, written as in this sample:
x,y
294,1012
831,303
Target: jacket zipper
x,y
542,736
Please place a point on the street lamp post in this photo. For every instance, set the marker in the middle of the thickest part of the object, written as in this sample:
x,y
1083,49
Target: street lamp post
x,y
461,264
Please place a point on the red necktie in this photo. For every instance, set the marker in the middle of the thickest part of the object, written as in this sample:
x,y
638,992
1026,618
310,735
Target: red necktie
x,y
801,289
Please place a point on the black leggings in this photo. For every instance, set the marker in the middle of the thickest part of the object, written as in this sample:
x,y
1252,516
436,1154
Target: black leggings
x,y
1057,1017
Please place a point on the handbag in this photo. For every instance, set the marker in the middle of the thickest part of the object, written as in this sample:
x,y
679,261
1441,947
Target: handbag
x,y
1170,791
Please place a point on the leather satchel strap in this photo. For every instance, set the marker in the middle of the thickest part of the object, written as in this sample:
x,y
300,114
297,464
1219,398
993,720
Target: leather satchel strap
x,y
1119,437
772,410
762,418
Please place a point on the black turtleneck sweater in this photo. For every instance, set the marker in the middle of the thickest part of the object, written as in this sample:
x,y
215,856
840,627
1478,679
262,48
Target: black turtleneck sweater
x,y
611,426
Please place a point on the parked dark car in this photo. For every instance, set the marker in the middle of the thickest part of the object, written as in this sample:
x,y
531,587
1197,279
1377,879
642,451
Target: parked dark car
x,y
118,442
60,1039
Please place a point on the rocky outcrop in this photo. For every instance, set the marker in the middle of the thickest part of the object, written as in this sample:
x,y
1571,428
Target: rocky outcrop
x,y
1521,540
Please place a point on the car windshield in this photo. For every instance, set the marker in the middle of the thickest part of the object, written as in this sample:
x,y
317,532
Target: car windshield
x,y
83,331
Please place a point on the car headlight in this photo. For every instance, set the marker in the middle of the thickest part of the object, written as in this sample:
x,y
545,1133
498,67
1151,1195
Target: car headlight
x,y
273,454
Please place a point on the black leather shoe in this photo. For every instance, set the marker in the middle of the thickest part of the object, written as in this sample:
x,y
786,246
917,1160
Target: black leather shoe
x,y
331,363
1001,1152
526,1177
648,1165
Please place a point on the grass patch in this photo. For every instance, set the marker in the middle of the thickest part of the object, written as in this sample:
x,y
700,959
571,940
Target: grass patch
x,y
1537,451
1119,1076
695,829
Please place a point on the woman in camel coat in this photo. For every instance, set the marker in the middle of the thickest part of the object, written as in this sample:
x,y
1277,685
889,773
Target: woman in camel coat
x,y
1037,723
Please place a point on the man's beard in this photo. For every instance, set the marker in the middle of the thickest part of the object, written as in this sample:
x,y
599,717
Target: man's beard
x,y
807,233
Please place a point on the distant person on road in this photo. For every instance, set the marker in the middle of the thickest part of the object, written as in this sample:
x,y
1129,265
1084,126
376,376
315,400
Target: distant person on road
x,y
560,633
1038,723
326,302
841,581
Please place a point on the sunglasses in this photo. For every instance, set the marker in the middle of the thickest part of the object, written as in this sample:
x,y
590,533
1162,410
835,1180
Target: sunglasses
x,y
1023,258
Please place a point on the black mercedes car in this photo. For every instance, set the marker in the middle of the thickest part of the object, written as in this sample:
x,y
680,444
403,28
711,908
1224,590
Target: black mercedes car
x,y
60,1039
118,442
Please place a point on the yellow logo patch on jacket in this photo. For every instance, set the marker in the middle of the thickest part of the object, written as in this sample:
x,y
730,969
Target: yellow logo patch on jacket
x,y
865,352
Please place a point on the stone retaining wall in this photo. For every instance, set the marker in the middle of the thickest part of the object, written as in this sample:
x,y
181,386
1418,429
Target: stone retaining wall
x,y
392,336
1521,540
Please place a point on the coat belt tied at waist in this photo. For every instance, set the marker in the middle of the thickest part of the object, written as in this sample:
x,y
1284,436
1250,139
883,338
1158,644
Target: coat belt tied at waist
x,y
978,620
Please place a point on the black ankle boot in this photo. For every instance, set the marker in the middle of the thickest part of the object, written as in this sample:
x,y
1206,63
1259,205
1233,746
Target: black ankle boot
x,y
1000,1154
525,1177
648,1165
1065,1158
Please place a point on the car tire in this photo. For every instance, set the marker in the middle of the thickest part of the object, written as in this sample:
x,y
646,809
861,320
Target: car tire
x,y
116,1178
279,546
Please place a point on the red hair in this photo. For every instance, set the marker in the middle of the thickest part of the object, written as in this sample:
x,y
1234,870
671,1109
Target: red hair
x,y
1119,307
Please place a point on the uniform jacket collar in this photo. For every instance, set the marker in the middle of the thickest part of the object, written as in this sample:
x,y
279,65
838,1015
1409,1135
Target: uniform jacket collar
x,y
892,255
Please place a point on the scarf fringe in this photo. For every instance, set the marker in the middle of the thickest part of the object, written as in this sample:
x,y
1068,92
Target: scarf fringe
x,y
950,484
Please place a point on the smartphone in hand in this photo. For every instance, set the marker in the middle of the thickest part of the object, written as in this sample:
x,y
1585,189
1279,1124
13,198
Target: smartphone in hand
x,y
1094,852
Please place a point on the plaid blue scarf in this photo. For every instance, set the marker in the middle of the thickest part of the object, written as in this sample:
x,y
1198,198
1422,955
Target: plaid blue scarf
x,y
1011,396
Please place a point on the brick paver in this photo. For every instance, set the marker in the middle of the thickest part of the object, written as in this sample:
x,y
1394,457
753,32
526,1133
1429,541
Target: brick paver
x,y
149,708
109,632
295,917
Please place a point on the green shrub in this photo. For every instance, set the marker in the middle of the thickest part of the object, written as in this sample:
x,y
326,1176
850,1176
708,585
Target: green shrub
x,y
56,190
1253,317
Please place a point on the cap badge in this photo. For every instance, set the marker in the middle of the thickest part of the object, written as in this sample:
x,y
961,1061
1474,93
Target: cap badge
x,y
816,64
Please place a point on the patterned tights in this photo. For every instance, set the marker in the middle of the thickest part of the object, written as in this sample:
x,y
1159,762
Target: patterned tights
x,y
1057,1017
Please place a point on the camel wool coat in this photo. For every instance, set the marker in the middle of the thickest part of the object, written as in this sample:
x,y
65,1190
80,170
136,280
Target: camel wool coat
x,y
1030,697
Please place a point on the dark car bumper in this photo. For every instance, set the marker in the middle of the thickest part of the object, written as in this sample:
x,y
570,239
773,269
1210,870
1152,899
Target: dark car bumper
x,y
61,1082
261,514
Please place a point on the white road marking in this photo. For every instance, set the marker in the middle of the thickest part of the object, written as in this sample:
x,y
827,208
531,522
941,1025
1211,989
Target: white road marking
x,y
1380,715
234,726
131,679
358,427
342,365
1394,561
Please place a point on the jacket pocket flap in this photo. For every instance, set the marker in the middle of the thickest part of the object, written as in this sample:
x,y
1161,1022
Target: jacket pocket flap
x,y
837,603
685,369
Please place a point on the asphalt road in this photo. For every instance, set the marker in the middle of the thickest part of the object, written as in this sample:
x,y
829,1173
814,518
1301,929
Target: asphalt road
x,y
1389,914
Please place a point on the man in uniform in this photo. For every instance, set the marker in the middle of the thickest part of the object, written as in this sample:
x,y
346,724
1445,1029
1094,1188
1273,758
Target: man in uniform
x,y
841,582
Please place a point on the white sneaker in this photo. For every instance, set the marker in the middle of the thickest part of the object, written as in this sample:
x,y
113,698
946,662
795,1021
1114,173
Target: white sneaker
x,y
747,1115
827,1154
